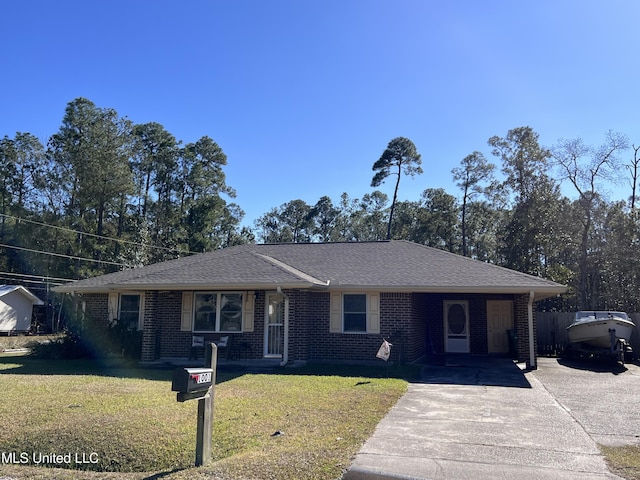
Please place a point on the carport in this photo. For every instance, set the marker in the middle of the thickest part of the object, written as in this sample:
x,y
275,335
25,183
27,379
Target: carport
x,y
492,320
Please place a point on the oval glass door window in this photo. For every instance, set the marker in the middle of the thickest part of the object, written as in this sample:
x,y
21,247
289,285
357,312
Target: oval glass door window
x,y
457,320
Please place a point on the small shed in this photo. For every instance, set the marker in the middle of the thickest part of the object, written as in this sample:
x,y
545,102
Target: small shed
x,y
16,308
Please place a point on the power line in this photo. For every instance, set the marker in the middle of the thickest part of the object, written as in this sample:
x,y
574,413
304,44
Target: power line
x,y
43,277
106,262
65,229
30,281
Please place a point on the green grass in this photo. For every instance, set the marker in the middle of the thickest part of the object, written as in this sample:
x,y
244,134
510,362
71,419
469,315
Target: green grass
x,y
130,420
623,461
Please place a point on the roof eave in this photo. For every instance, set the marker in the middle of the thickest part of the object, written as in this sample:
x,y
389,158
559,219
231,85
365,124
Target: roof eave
x,y
180,287
540,292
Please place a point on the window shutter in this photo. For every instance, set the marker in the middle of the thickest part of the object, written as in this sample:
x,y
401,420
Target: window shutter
x,y
335,312
248,311
187,314
112,307
373,317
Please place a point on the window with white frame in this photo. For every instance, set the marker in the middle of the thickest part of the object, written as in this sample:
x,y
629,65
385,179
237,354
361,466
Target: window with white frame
x,y
217,312
130,313
354,312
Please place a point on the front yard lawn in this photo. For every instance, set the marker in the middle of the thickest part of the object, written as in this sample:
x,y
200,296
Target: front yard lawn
x,y
127,421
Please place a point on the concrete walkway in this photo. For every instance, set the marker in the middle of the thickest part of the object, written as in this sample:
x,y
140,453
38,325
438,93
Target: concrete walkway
x,y
480,419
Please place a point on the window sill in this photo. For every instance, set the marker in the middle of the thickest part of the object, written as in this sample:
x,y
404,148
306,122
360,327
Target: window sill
x,y
215,332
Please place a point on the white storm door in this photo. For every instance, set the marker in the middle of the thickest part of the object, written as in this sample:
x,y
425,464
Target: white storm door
x,y
456,326
274,326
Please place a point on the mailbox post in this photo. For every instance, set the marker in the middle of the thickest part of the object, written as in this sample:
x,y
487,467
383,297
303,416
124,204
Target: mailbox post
x,y
199,383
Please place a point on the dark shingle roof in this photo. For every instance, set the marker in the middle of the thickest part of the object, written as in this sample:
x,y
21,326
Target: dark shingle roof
x,y
388,265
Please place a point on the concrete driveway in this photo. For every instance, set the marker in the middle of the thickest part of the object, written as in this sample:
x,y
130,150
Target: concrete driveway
x,y
483,418
603,399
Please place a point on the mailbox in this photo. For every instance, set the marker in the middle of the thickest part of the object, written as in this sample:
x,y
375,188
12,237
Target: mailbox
x,y
188,380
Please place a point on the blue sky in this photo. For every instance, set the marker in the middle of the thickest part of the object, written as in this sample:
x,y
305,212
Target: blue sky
x,y
303,96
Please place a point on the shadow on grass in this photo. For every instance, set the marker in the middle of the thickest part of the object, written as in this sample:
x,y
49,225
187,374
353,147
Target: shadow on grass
x,y
457,370
449,369
29,365
168,473
410,373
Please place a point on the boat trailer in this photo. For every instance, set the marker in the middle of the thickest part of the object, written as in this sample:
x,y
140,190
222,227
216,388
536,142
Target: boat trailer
x,y
619,351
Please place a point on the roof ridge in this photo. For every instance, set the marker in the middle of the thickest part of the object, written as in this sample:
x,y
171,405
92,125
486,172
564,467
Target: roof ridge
x,y
289,269
320,243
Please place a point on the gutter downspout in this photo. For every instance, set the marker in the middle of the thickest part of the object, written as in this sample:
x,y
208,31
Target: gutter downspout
x,y
532,346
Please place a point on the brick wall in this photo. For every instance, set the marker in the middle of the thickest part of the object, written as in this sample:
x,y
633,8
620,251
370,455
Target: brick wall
x,y
418,339
412,322
302,305
170,340
397,312
97,307
433,312
396,325
150,329
162,337
319,343
478,341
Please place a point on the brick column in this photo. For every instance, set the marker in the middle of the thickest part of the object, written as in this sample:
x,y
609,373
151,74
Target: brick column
x,y
522,329
149,334
522,326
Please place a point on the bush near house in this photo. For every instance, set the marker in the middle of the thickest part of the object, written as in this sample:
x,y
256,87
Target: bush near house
x,y
85,339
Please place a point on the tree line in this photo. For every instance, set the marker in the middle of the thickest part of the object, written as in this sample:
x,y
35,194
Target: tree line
x,y
101,177
520,221
104,194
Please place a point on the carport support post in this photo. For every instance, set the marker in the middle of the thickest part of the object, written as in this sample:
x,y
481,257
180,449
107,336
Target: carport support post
x,y
532,344
204,429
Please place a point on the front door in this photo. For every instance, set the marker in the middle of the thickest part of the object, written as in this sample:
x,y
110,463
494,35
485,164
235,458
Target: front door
x,y
274,326
456,326
499,321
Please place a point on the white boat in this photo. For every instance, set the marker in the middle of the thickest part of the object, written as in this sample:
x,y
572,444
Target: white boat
x,y
600,329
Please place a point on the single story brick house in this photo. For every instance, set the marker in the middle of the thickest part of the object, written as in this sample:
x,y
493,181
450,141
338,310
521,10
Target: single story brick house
x,y
322,301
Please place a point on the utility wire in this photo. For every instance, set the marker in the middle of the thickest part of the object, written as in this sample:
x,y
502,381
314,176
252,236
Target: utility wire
x,y
30,281
65,229
106,262
43,277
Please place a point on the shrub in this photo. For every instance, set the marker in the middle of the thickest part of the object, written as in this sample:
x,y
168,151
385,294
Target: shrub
x,y
124,340
66,347
82,338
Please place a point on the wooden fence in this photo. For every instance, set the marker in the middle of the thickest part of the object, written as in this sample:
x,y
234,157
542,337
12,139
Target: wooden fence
x,y
552,332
